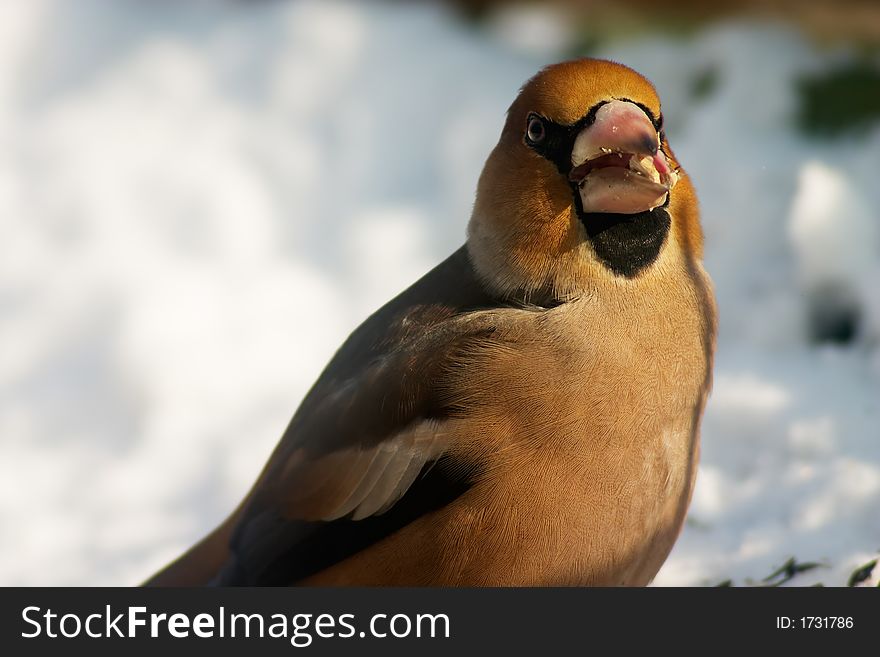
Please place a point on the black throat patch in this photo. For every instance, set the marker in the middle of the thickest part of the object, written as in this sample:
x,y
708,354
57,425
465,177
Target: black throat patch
x,y
626,243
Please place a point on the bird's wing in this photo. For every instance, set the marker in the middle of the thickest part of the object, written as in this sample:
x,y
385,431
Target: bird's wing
x,y
371,425
352,452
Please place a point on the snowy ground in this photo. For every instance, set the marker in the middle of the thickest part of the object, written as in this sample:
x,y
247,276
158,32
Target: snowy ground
x,y
198,201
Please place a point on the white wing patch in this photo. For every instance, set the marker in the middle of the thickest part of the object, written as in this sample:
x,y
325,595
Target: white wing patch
x,y
361,481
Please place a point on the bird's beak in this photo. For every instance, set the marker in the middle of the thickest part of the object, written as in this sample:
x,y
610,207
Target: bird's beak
x,y
617,163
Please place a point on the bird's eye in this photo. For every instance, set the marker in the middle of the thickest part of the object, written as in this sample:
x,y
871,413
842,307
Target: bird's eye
x,y
535,132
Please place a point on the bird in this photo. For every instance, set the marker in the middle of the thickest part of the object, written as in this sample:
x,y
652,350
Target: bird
x,y
528,412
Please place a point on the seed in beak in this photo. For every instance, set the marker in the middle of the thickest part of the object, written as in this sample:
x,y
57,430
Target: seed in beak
x,y
660,164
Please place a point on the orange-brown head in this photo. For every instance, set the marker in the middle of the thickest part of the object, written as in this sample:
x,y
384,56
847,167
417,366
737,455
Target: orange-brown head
x,y
581,184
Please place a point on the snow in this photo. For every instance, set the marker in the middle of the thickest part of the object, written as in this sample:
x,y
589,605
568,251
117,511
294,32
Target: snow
x,y
198,201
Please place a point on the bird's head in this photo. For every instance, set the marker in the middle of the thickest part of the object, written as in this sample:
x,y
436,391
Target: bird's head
x,y
581,184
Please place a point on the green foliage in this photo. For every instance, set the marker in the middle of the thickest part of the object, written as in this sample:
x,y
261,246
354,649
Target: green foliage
x,y
842,101
704,84
788,571
862,573
791,568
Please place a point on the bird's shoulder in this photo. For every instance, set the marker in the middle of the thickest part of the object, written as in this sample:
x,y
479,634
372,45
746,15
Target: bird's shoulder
x,y
385,375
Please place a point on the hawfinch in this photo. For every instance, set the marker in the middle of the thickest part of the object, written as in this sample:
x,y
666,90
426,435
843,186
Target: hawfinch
x,y
528,412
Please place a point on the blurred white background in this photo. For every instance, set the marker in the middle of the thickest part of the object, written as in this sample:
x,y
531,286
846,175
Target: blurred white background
x,y
200,200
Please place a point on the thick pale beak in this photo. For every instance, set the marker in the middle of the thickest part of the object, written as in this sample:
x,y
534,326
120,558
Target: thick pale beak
x,y
617,162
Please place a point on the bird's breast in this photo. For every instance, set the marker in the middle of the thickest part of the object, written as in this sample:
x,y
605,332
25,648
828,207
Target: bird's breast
x,y
604,443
